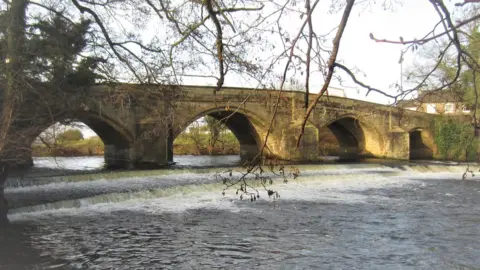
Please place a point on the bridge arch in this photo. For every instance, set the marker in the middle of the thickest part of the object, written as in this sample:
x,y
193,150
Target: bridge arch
x,y
349,136
117,140
246,127
421,144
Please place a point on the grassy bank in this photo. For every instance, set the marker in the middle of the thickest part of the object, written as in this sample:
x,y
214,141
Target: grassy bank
x,y
200,144
185,144
85,147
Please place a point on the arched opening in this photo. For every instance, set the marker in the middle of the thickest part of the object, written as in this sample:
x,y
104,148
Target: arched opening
x,y
71,146
217,134
343,138
82,144
419,145
349,138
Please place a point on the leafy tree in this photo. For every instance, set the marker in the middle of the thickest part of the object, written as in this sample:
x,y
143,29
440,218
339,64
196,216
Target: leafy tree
x,y
215,127
41,71
468,80
465,85
454,139
462,77
70,135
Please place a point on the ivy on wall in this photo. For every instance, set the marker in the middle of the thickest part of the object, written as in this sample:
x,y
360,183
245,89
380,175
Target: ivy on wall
x,y
455,139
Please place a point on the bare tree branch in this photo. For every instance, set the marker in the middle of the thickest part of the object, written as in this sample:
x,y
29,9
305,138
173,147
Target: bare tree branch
x,y
309,51
219,44
467,2
105,33
427,39
284,76
331,65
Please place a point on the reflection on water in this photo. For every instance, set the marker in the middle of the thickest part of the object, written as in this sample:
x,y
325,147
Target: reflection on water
x,y
70,163
98,162
17,250
207,161
93,163
352,216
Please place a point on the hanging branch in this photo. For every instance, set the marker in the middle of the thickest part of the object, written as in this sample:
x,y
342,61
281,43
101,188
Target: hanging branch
x,y
368,87
219,44
104,30
289,61
330,66
467,2
450,30
427,39
309,50
405,92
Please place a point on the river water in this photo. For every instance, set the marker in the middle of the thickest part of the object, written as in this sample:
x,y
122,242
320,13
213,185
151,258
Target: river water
x,y
97,162
337,216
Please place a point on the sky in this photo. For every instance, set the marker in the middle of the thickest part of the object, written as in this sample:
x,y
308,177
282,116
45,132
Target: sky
x,y
377,61
380,61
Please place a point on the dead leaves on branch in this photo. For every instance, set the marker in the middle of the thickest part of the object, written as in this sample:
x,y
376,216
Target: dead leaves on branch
x,y
248,184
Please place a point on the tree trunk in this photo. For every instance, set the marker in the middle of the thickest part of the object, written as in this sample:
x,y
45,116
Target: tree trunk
x,y
12,94
477,132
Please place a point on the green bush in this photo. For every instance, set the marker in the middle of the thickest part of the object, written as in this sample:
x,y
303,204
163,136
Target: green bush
x,y
87,147
70,135
197,143
455,139
194,143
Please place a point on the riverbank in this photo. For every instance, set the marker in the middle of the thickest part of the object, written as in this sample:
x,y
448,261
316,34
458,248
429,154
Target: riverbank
x,y
201,144
184,144
86,147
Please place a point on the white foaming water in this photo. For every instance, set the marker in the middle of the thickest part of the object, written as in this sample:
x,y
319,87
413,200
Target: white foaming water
x,y
180,190
188,191
112,185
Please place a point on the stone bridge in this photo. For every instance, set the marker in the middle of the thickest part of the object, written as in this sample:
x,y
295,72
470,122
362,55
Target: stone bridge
x,y
138,124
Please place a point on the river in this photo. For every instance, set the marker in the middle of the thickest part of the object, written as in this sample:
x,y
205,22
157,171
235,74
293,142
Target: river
x,y
335,216
97,162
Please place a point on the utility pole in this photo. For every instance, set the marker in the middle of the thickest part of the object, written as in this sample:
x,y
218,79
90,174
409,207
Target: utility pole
x,y
401,73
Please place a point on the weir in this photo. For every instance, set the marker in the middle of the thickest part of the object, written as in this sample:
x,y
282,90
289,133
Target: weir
x,y
171,217
3,200
86,191
3,208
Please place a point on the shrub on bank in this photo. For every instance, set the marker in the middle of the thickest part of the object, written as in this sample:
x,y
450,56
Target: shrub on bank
x,y
455,140
185,144
86,147
198,144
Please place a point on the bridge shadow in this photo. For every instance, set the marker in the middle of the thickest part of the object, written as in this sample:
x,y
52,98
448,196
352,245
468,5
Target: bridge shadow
x,y
344,138
17,250
420,148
